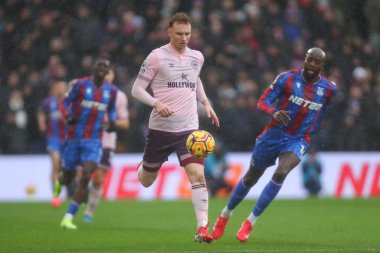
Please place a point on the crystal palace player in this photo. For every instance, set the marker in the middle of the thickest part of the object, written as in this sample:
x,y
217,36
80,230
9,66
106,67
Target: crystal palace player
x,y
84,109
109,145
51,123
302,96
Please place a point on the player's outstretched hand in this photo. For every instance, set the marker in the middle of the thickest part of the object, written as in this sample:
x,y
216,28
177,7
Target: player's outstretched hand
x,y
111,127
282,117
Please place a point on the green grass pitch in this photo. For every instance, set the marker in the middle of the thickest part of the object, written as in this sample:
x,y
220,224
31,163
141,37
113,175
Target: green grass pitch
x,y
313,225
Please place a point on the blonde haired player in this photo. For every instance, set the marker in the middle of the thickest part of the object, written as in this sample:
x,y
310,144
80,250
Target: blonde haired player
x,y
172,71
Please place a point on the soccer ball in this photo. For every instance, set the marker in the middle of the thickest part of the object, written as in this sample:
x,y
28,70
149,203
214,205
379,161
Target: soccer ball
x,y
200,144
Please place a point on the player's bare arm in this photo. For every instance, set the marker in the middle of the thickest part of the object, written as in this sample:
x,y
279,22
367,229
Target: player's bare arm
x,y
41,119
162,109
282,117
211,113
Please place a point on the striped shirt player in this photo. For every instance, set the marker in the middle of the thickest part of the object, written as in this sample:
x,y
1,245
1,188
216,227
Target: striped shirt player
x,y
51,123
84,108
306,104
109,146
55,124
88,105
297,101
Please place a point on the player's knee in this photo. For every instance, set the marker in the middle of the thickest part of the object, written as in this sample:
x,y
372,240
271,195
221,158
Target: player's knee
x,y
67,177
146,182
280,175
85,179
146,178
252,176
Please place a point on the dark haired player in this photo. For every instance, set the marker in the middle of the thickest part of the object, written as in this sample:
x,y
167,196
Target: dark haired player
x,y
302,96
84,109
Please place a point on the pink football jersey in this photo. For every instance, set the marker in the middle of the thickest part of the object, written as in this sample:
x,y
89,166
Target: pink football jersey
x,y
174,80
109,139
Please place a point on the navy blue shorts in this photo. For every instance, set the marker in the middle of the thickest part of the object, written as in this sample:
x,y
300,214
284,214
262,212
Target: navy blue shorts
x,y
75,152
54,144
273,143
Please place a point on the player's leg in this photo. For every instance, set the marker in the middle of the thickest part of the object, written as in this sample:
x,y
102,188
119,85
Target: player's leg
x,y
147,173
199,197
287,162
263,156
95,187
79,195
91,152
194,168
291,155
156,152
239,193
56,168
95,190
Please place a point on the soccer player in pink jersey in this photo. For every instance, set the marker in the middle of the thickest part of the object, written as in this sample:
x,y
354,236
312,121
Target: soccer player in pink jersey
x,y
172,71
108,146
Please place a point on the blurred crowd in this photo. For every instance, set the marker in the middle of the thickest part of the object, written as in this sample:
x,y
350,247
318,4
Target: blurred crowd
x,y
246,43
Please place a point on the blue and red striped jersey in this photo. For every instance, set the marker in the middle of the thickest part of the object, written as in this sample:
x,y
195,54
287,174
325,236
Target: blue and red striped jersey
x,y
55,121
89,104
305,102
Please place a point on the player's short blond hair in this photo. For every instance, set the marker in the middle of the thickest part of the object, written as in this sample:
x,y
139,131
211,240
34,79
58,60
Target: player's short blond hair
x,y
179,17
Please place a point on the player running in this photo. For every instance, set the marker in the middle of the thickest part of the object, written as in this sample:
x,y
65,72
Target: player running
x,y
302,96
172,71
51,123
109,145
84,109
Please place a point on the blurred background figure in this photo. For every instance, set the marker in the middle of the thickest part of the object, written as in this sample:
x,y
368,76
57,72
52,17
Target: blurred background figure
x,y
215,169
311,171
52,124
108,147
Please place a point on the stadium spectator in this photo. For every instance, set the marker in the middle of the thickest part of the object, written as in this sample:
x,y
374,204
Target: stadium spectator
x,y
296,100
172,72
311,173
215,171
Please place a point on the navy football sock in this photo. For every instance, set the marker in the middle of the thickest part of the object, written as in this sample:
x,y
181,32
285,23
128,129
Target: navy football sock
x,y
238,195
267,195
73,207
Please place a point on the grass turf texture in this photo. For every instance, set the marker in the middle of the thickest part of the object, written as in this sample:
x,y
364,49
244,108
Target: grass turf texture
x,y
314,225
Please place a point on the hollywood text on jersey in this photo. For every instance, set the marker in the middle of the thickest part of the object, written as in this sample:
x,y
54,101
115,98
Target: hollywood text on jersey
x,y
190,85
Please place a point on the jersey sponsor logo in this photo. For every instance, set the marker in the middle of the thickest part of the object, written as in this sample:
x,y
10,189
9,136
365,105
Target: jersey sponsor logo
x,y
305,103
190,85
320,91
184,77
194,64
93,104
106,94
